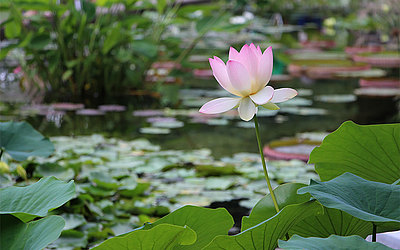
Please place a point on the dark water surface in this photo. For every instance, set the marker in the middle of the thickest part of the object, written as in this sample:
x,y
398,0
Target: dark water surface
x,y
225,140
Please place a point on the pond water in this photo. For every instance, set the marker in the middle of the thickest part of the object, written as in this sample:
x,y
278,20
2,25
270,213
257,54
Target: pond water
x,y
321,106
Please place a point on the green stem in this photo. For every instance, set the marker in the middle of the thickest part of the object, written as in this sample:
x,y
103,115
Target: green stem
x,y
271,191
373,232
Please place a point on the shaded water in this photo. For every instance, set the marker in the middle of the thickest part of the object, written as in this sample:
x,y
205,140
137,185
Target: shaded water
x,y
228,134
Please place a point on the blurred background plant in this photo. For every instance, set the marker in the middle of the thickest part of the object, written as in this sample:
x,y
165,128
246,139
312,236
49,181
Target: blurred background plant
x,y
76,49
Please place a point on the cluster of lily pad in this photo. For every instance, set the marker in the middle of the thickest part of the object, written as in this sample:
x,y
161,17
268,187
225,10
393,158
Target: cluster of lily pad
x,y
122,184
119,185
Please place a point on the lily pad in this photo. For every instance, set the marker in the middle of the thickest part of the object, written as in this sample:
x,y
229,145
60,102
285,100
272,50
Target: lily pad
x,y
73,220
21,140
206,222
53,169
164,236
112,108
369,151
67,106
336,98
146,113
366,200
333,242
90,112
14,234
37,199
266,234
155,131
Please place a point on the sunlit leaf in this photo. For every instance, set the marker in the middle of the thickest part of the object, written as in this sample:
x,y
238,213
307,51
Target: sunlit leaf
x,y
37,199
266,234
369,151
164,236
370,201
206,222
333,242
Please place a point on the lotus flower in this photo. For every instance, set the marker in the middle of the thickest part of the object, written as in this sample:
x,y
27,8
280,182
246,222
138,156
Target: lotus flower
x,y
246,75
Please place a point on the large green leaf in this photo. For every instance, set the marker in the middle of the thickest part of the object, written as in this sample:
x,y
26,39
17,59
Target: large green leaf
x,y
369,151
14,234
206,222
366,200
333,242
286,194
37,199
266,234
333,221
164,236
20,140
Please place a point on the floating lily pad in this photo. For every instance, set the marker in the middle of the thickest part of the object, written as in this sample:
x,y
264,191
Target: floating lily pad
x,y
167,124
90,112
386,59
336,98
52,169
155,131
326,55
67,106
378,92
150,112
380,82
332,242
73,220
112,108
362,73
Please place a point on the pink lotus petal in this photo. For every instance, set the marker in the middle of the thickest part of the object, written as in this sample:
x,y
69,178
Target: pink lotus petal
x,y
247,109
283,94
219,70
233,54
239,77
259,52
250,60
256,51
219,105
263,96
265,66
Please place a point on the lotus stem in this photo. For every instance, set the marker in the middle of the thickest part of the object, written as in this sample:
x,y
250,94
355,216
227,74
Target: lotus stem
x,y
271,191
373,232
